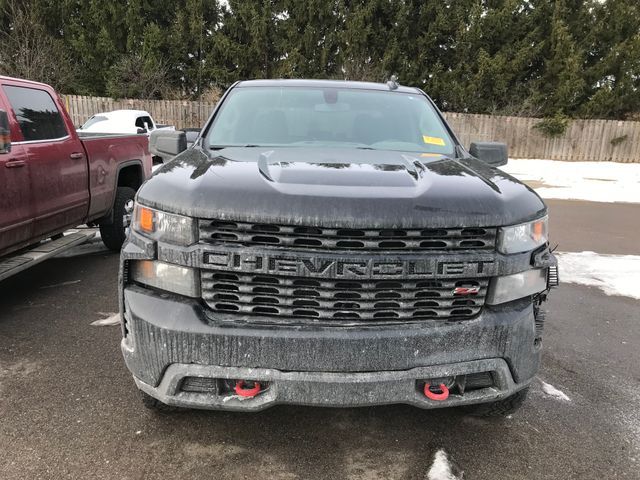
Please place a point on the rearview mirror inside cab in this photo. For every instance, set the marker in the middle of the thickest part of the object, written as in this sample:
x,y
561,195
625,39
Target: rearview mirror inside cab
x,y
167,143
492,153
5,133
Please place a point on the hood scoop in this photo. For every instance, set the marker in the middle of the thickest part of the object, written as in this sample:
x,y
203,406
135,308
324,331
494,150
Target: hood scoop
x,y
388,170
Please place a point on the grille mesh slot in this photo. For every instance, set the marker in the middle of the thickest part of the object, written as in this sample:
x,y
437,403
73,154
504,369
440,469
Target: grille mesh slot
x,y
341,300
301,237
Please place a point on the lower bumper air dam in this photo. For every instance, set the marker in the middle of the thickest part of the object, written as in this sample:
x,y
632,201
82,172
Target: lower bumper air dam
x,y
328,389
170,340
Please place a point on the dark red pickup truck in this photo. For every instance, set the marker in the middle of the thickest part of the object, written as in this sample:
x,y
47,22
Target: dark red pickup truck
x,y
53,179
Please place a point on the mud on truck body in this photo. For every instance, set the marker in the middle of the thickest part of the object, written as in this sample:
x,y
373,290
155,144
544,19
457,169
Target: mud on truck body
x,y
332,243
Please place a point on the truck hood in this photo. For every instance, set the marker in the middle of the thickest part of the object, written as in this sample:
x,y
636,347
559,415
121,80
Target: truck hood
x,y
334,187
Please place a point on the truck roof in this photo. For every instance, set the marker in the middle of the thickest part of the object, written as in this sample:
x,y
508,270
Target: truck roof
x,y
22,80
123,114
324,84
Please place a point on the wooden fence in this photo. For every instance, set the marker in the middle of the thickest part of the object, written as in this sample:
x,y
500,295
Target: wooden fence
x,y
584,140
181,113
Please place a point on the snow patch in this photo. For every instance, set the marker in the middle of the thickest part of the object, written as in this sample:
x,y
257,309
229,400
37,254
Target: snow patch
x,y
442,469
552,391
592,181
234,397
613,274
113,319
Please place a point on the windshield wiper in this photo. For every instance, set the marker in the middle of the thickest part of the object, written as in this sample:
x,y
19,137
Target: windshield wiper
x,y
220,147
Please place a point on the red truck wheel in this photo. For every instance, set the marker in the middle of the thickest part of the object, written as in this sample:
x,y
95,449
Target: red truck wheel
x,y
114,233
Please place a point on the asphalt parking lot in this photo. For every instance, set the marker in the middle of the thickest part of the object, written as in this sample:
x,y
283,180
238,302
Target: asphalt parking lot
x,y
69,408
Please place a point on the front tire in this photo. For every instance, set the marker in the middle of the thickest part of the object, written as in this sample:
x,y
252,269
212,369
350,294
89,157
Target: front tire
x,y
113,234
500,408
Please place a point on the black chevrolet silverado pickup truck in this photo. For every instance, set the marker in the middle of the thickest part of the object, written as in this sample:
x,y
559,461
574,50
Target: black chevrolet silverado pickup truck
x,y
332,243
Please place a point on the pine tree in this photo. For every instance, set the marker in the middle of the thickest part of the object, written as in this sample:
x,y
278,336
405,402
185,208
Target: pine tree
x,y
523,57
191,42
613,62
562,84
246,46
309,39
365,35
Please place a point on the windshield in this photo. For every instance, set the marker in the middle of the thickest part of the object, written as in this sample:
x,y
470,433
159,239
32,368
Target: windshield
x,y
92,121
329,117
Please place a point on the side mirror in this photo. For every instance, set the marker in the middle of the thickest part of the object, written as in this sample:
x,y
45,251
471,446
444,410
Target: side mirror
x,y
5,133
140,131
192,134
492,153
167,143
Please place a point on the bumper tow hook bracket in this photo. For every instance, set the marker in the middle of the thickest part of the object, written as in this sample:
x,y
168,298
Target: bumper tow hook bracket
x,y
242,390
437,393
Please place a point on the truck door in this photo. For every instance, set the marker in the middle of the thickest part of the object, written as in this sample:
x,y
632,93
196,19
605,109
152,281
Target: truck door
x,y
58,167
16,206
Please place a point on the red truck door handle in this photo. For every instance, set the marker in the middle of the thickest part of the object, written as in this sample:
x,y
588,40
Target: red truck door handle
x,y
15,164
76,156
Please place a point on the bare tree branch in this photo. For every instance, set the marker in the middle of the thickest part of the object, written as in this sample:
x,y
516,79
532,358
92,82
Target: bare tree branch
x,y
28,51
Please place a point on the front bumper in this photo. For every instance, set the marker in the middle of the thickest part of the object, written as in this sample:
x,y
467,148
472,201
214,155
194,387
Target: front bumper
x,y
328,389
168,338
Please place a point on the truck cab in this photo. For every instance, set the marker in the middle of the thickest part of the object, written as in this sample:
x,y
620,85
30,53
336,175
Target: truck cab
x,y
122,121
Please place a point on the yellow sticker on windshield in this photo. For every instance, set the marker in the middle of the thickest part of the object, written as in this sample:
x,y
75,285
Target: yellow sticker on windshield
x,y
433,140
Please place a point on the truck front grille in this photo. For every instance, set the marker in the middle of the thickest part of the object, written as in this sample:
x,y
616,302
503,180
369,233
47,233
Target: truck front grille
x,y
289,298
320,238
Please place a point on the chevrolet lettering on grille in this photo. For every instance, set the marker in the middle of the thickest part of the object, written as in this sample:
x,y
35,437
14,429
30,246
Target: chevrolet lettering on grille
x,y
347,268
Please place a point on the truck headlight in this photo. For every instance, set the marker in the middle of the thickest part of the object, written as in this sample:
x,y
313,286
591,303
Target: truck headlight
x,y
165,276
523,237
519,285
164,227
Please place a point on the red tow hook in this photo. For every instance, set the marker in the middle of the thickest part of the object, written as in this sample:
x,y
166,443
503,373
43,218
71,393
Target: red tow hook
x,y
437,396
247,392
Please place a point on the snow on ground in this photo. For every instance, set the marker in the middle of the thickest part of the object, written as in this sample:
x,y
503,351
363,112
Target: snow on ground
x,y
593,181
111,319
613,274
589,181
441,469
552,391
